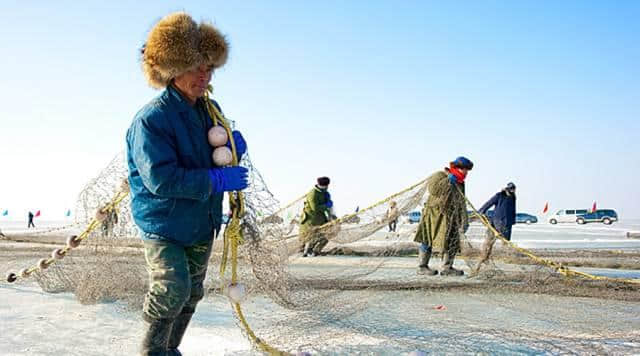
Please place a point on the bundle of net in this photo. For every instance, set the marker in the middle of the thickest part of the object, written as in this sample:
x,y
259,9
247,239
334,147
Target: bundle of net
x,y
364,296
108,265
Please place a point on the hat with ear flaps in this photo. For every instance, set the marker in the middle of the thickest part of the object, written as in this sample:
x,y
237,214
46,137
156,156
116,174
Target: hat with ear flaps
x,y
177,44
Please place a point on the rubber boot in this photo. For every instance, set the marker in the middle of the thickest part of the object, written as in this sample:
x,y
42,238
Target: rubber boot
x,y
308,250
447,265
156,338
423,263
317,249
177,332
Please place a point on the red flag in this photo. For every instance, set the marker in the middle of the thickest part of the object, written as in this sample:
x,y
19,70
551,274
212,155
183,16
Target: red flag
x,y
593,209
37,213
546,208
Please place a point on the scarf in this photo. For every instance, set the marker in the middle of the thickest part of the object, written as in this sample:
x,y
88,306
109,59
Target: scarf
x,y
457,173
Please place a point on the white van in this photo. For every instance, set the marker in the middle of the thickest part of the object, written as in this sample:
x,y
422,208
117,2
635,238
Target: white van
x,y
566,216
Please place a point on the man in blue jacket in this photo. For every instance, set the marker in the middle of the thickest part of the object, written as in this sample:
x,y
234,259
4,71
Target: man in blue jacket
x,y
176,190
504,215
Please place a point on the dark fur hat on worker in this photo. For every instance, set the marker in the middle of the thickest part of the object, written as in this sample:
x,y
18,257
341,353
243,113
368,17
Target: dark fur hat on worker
x,y
177,44
323,181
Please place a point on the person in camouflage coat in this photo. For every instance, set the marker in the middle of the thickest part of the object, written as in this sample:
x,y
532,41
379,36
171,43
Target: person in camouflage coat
x,y
444,217
316,212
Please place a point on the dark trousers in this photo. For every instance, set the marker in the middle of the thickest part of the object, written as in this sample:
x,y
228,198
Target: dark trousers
x,y
176,277
392,225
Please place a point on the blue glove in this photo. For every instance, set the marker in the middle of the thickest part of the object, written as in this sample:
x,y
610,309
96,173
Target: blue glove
x,y
452,178
241,144
329,204
228,179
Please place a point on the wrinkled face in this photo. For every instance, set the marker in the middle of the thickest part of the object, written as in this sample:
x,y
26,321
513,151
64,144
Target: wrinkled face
x,y
194,83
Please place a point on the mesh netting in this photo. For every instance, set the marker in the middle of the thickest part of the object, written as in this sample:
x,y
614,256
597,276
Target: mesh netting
x,y
364,296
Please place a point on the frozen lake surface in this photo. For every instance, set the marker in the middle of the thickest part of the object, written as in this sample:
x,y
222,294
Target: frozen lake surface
x,y
393,323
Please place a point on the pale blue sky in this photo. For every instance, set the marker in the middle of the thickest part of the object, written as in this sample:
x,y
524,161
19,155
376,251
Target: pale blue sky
x,y
375,94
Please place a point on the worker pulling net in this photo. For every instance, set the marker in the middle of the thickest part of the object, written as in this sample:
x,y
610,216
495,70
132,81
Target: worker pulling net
x,y
346,297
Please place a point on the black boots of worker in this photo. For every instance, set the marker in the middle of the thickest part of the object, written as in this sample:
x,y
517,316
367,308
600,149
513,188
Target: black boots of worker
x,y
424,255
447,265
423,263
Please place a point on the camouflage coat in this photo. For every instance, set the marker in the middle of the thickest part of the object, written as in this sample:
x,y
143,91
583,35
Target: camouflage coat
x,y
444,215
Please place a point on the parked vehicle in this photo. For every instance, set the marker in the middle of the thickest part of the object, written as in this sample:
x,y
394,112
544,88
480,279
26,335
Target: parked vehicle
x,y
524,218
414,217
605,216
566,216
520,217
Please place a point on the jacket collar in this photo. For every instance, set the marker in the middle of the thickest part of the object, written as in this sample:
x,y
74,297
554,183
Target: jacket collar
x,y
181,103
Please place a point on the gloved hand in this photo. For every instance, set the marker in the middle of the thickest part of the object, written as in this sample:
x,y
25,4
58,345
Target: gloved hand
x,y
241,144
452,178
329,204
228,179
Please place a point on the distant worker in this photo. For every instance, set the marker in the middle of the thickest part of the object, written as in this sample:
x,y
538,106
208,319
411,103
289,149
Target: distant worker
x,y
316,212
31,224
444,218
109,223
503,218
392,216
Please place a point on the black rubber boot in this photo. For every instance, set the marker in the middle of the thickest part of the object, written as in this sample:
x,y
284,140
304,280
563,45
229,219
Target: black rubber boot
x,y
423,263
308,250
177,332
317,249
156,338
447,265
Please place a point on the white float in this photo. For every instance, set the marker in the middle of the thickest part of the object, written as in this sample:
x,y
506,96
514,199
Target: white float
x,y
217,136
222,156
237,292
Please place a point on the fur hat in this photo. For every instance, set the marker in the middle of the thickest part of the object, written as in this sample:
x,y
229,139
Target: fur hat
x,y
177,44
323,181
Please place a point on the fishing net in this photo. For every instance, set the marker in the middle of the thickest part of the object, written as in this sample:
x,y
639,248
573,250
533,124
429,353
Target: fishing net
x,y
364,296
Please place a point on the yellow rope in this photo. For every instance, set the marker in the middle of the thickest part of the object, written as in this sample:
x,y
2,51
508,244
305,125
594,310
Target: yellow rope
x,y
233,232
564,270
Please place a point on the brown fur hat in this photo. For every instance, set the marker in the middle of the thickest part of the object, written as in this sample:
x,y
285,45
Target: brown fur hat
x,y
177,44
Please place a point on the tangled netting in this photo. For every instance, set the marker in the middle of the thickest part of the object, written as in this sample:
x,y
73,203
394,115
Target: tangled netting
x,y
364,296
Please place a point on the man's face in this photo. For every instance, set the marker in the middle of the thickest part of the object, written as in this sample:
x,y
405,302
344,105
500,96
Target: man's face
x,y
194,83
464,170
